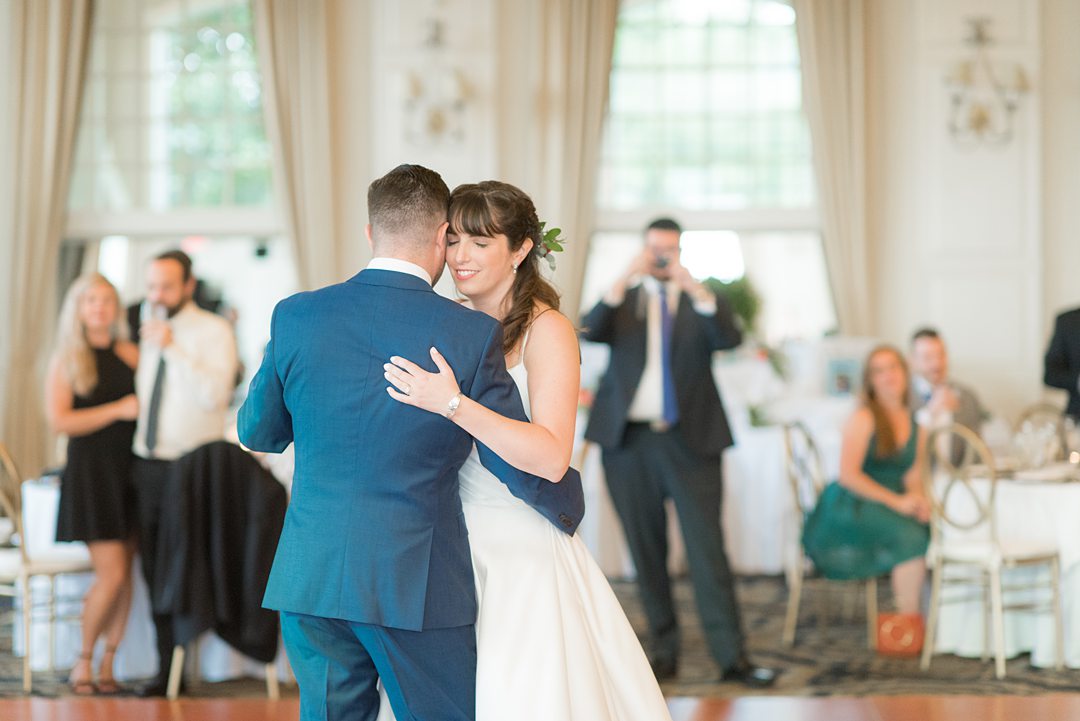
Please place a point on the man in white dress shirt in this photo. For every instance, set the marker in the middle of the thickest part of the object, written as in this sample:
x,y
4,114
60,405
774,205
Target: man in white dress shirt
x,y
184,382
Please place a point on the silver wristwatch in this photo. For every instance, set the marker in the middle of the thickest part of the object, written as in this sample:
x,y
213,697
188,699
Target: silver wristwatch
x,y
452,406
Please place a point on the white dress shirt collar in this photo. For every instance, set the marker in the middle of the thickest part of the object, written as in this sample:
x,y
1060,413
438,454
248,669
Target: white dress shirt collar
x,y
400,266
651,284
922,387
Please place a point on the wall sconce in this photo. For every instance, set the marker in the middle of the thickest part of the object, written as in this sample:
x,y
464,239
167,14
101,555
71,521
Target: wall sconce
x,y
436,94
982,104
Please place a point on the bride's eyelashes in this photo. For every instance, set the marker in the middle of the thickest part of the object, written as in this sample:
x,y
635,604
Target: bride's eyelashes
x,y
452,240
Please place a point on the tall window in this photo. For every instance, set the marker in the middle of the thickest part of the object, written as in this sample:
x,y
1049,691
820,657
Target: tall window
x,y
172,152
705,124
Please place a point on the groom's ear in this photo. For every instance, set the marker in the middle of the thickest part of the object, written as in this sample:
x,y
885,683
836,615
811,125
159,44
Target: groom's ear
x,y
367,233
440,237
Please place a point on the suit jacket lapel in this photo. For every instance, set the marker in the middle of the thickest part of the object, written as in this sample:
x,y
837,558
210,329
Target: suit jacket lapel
x,y
637,302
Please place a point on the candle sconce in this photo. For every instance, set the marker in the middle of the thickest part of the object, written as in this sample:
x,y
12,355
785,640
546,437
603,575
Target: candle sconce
x,y
983,97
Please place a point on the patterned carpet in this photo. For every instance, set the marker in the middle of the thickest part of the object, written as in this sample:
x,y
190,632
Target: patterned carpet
x,y
830,657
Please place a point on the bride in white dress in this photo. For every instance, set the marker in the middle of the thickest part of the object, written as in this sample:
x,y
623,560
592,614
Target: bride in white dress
x,y
552,640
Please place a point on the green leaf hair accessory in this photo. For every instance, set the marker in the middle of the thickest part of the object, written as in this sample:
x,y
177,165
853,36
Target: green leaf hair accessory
x,y
550,242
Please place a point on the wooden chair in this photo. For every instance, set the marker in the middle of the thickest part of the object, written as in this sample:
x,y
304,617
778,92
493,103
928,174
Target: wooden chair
x,y
969,543
806,476
176,672
18,566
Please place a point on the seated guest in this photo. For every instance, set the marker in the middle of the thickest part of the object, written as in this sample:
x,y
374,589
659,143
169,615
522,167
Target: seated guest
x,y
90,397
937,399
874,520
1062,362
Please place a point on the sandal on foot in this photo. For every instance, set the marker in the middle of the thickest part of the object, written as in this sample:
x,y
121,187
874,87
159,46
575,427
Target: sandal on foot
x,y
83,686
107,685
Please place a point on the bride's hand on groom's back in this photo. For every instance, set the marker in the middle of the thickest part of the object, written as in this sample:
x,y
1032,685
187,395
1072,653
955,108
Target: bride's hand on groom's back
x,y
414,386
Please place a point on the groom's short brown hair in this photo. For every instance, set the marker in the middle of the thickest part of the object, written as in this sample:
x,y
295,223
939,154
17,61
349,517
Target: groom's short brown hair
x,y
410,200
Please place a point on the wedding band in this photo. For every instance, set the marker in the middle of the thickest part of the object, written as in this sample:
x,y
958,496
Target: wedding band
x,y
407,389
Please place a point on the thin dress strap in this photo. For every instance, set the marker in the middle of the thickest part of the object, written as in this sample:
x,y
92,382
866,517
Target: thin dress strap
x,y
525,338
524,342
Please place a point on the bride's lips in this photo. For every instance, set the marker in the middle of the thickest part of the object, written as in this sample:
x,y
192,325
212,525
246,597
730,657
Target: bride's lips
x,y
464,273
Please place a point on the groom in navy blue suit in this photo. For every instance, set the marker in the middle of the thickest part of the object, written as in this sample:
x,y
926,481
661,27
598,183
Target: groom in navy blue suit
x,y
373,576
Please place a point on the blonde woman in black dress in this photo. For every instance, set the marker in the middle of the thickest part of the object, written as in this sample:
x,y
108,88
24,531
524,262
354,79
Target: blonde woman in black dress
x,y
90,396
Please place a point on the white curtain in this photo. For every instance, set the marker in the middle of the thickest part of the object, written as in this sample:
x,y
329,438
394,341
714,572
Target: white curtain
x,y
833,56
292,43
46,57
553,89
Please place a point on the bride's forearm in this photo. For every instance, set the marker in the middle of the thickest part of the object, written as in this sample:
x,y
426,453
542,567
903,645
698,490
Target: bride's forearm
x,y
529,447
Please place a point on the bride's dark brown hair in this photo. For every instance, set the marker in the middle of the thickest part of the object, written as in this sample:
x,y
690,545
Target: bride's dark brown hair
x,y
492,208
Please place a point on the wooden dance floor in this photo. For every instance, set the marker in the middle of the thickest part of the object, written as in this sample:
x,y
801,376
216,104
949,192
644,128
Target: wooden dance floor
x,y
881,708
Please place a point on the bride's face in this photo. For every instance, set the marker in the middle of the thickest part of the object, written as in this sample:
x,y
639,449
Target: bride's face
x,y
482,265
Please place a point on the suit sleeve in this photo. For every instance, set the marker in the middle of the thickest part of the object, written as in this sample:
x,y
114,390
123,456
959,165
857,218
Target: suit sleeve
x,y
493,388
1057,373
720,327
264,422
561,503
598,325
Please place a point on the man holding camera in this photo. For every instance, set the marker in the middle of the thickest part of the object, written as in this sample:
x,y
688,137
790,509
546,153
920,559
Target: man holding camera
x,y
662,428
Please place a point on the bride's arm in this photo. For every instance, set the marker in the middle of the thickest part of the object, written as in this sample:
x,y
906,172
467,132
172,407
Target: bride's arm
x,y
542,447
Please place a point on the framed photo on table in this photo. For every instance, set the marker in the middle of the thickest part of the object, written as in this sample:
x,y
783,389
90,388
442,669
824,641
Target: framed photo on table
x,y
842,376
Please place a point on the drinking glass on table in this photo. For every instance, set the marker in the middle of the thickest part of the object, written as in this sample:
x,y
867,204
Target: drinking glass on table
x,y
1072,442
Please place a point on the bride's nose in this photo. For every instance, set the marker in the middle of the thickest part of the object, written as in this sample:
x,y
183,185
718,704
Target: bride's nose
x,y
458,253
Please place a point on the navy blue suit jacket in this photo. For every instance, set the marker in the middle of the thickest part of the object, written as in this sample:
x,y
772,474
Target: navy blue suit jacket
x,y
375,532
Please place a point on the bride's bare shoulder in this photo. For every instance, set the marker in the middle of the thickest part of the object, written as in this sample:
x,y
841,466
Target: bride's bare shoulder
x,y
551,328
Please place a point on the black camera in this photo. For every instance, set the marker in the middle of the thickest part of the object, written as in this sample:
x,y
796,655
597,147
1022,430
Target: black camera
x,y
662,261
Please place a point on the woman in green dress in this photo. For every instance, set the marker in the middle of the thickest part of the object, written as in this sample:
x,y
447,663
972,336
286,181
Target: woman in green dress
x,y
874,519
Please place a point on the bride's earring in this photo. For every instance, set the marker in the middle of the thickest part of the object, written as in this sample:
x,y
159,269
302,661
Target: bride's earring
x,y
515,268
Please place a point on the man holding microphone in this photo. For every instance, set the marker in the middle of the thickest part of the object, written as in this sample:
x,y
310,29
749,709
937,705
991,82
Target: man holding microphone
x,y
184,382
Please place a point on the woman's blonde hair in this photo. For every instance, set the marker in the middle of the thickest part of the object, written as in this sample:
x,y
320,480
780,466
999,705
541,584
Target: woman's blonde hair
x,y
73,351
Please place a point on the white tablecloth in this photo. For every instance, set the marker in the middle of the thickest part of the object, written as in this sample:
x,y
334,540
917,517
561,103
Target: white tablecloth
x,y
137,655
1044,513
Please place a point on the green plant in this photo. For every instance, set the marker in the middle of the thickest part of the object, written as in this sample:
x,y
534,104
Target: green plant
x,y
743,297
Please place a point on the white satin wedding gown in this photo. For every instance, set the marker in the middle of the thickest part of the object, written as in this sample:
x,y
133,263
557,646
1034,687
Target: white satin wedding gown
x,y
552,641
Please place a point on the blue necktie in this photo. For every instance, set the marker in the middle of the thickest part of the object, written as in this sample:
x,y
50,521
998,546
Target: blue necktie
x,y
667,325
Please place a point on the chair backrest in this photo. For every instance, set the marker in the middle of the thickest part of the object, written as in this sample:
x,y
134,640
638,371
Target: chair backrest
x,y
1046,423
802,463
11,495
961,492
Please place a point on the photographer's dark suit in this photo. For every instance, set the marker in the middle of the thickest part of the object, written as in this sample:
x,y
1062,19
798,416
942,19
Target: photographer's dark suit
x,y
645,463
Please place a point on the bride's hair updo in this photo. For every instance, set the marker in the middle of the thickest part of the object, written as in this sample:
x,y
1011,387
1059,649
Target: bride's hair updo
x,y
491,208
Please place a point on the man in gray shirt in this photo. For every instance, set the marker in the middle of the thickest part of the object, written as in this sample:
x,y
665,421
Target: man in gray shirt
x,y
936,399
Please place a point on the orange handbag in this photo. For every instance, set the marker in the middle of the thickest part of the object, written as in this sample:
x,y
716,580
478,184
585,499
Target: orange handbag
x,y
900,634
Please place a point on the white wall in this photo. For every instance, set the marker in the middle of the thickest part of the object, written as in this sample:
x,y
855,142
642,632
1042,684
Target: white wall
x,y
974,242
1061,155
